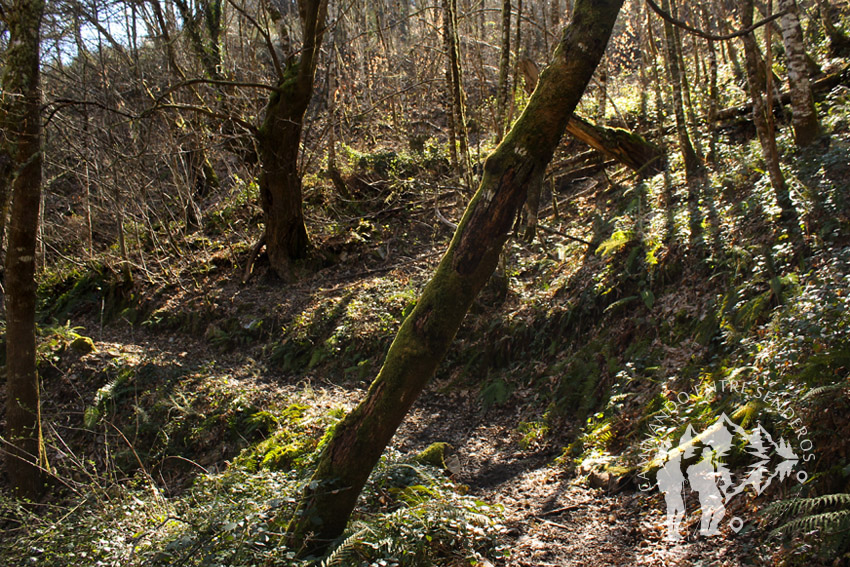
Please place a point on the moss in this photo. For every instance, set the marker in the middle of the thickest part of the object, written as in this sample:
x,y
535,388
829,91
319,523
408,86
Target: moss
x,y
282,452
433,455
82,345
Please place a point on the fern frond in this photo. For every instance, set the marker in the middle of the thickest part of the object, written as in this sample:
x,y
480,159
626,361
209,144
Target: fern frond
x,y
797,506
829,523
816,392
344,552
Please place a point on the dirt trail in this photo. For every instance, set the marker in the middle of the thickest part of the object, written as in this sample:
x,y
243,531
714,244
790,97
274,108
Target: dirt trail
x,y
552,519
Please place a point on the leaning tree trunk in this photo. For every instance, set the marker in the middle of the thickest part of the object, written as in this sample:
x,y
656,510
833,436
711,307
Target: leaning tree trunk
x,y
804,118
23,443
425,336
279,139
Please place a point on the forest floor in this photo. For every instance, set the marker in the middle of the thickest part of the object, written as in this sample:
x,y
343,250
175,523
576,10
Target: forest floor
x,y
551,515
606,314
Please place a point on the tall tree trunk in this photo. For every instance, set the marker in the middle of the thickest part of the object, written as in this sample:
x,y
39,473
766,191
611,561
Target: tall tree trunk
x,y
5,185
279,139
692,164
723,17
804,118
425,336
694,172
712,88
454,77
25,458
760,118
685,85
502,91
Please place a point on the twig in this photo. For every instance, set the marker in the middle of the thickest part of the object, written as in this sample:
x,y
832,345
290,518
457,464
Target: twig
x,y
556,524
564,234
556,511
443,219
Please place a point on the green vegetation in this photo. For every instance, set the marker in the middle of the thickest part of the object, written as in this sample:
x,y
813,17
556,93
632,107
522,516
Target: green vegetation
x,y
187,392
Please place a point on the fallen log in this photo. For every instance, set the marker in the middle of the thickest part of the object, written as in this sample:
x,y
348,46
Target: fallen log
x,y
819,87
626,147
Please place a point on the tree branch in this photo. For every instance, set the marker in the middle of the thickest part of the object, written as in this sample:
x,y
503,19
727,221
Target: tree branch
x,y
201,110
61,103
201,80
705,35
269,45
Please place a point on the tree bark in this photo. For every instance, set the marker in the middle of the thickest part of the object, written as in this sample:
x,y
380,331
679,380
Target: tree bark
x,y
24,447
279,139
425,336
804,118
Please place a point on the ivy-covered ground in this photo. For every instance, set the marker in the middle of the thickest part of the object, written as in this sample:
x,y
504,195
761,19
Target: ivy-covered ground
x,y
184,412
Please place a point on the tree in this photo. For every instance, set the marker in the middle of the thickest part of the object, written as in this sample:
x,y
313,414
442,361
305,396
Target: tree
x,y
502,92
457,98
279,139
694,171
763,118
424,338
804,118
24,446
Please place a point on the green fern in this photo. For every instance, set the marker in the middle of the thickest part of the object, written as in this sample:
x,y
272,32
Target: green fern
x,y
797,506
346,552
817,392
828,515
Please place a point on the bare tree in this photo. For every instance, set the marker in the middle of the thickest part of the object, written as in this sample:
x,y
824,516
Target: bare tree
x,y
763,119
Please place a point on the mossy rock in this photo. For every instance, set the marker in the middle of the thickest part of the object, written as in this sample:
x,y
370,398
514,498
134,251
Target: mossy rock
x,y
282,452
434,455
82,345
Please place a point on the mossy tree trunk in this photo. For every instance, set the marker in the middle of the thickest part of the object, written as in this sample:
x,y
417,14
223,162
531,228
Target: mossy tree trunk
x,y
23,443
425,336
279,139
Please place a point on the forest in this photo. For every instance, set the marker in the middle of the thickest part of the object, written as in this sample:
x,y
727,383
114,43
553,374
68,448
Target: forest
x,y
419,282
